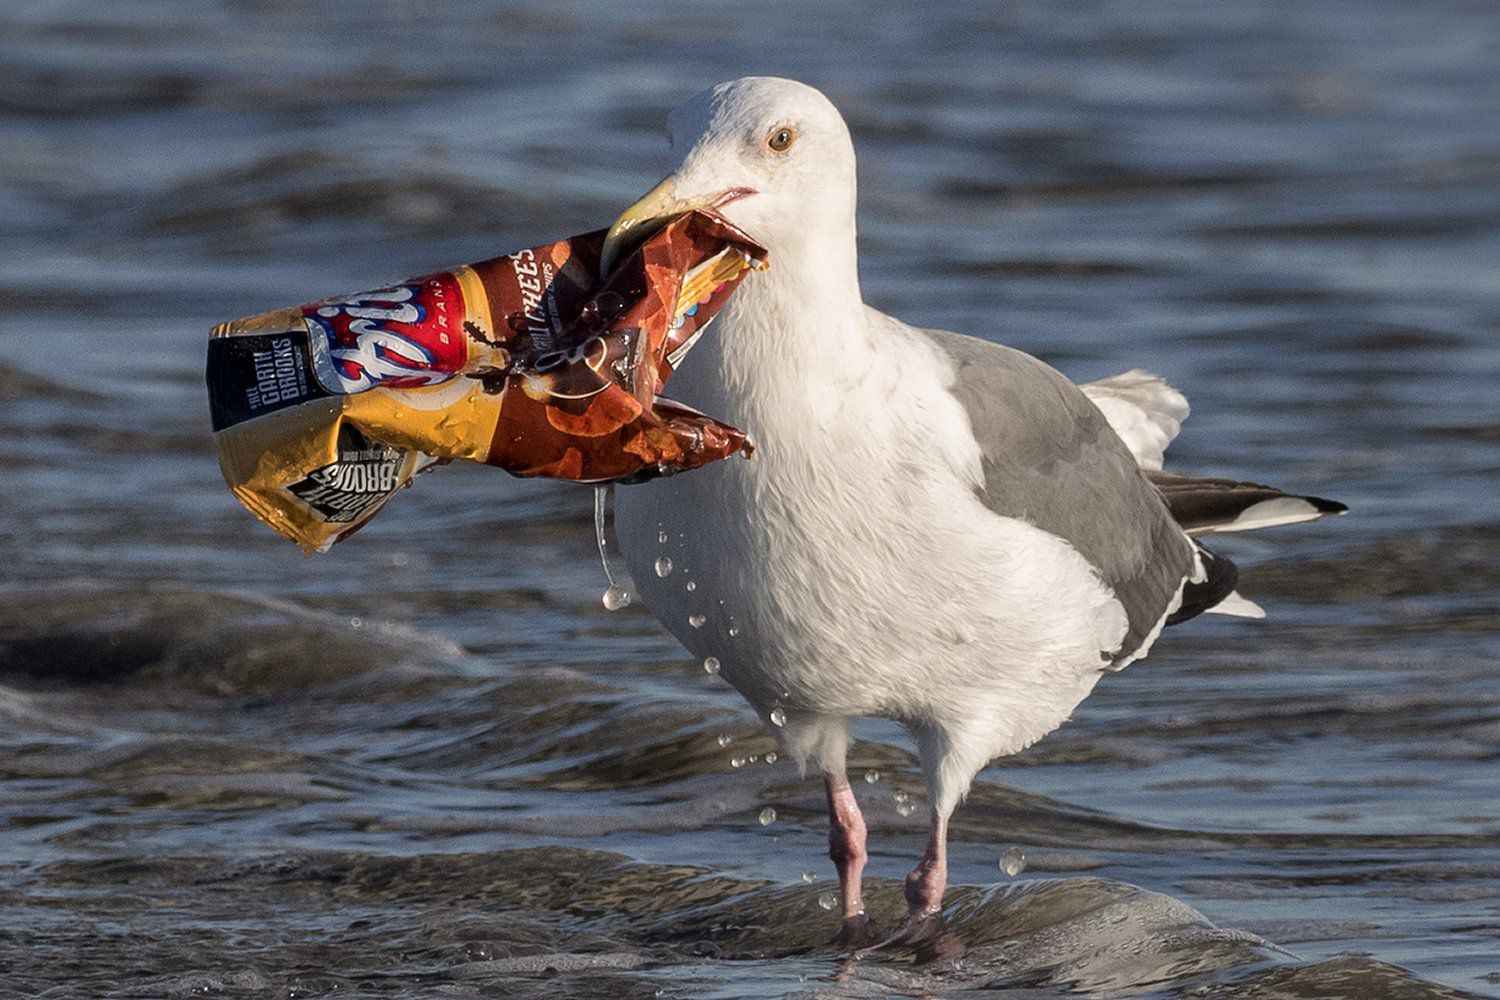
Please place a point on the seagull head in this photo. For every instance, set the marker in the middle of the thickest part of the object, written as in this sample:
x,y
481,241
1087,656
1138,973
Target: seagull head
x,y
772,156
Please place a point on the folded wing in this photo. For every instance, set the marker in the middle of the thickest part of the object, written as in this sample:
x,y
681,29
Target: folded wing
x,y
1146,413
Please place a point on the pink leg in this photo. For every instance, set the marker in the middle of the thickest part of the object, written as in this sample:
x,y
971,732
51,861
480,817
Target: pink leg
x,y
846,846
925,885
924,930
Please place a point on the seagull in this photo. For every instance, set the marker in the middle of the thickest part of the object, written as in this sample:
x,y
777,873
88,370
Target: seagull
x,y
934,529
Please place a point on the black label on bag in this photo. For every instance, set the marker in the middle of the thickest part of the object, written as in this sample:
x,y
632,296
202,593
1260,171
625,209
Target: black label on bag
x,y
253,375
365,474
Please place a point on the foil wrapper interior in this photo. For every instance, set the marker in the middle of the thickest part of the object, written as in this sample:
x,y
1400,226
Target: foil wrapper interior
x,y
528,362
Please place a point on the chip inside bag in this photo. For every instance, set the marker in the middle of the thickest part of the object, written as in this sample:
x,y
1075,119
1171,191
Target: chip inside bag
x,y
528,362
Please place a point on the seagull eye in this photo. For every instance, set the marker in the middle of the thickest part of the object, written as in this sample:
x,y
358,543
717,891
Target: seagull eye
x,y
781,138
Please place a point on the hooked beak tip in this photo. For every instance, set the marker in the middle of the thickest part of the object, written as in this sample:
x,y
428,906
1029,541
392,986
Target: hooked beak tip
x,y
658,205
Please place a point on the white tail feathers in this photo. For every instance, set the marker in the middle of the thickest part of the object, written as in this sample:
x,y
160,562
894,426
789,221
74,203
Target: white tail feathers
x,y
1237,606
1143,410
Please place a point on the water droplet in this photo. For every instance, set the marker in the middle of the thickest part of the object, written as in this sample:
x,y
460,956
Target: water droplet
x,y
1012,861
691,586
737,762
753,758
771,757
734,630
767,816
778,716
725,739
616,597
609,304
661,537
710,664
356,622
663,566
871,777
900,795
906,808
828,900
477,951
809,876
696,621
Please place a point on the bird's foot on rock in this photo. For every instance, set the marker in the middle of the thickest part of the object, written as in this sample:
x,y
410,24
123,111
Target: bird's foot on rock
x,y
926,936
857,932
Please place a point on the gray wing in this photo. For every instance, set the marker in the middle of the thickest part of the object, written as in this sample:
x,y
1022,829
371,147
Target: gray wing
x,y
1051,459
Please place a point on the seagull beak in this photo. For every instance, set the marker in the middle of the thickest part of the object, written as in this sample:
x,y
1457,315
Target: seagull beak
x,y
655,209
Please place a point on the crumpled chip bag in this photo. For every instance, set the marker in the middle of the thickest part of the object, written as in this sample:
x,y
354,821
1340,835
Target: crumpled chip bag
x,y
528,362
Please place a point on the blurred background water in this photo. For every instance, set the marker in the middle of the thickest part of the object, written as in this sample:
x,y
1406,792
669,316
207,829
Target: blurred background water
x,y
429,763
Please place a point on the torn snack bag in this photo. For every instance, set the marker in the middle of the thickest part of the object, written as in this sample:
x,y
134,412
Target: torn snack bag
x,y
528,362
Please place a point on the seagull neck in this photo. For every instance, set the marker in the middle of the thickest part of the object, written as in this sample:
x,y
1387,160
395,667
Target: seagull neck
x,y
807,301
784,331
822,262
768,357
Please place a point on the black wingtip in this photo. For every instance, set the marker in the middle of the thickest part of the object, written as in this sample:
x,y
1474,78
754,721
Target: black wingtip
x,y
1220,577
1327,506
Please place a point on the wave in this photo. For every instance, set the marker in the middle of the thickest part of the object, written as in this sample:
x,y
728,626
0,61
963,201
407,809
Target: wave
x,y
574,921
217,643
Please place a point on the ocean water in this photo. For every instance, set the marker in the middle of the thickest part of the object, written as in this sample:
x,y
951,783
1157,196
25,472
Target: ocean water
x,y
430,764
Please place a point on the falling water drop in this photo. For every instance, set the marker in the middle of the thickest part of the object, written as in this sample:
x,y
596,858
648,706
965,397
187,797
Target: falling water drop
x,y
616,596
663,566
809,876
690,586
696,620
725,739
828,900
778,716
737,762
661,537
1012,861
710,664
906,808
771,757
767,816
734,630
871,777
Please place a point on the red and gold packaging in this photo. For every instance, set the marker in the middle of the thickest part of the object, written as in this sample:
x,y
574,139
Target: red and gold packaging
x,y
527,362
